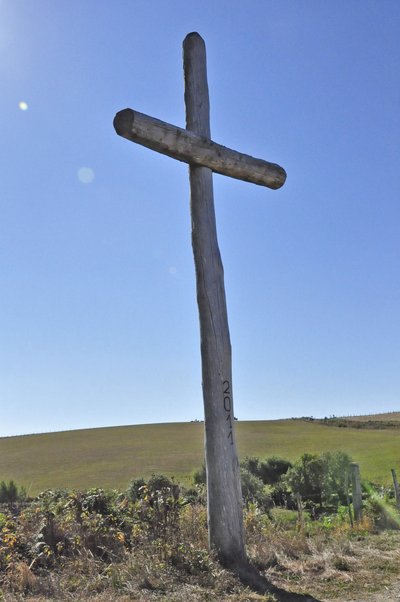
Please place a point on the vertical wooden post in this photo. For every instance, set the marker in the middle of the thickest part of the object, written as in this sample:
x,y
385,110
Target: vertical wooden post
x,y
396,488
356,490
348,499
225,506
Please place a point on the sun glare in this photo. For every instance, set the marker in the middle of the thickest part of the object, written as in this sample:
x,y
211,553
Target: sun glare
x,y
23,105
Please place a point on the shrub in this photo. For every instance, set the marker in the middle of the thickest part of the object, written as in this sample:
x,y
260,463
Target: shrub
x,y
252,464
253,491
272,470
9,492
160,482
305,478
282,496
320,479
336,467
134,489
200,476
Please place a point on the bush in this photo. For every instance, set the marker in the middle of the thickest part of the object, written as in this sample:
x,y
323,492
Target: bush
x,y
157,483
9,492
336,468
282,496
305,478
252,464
200,476
134,489
272,470
320,479
254,492
160,482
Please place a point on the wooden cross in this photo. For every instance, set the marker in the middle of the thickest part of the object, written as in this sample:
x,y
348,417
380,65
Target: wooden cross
x,y
193,145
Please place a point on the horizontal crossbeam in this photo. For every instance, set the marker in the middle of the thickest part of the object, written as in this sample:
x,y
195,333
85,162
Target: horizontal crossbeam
x,y
196,150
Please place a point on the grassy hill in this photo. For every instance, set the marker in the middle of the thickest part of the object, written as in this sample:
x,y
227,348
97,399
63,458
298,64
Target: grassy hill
x,y
111,457
387,417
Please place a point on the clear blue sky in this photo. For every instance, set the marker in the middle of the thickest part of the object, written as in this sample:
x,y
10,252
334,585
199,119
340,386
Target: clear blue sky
x,y
98,315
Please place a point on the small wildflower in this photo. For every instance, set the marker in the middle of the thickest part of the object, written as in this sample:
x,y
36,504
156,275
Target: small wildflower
x,y
121,537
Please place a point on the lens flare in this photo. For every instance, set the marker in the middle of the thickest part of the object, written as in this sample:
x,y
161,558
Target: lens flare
x,y
387,508
23,105
85,175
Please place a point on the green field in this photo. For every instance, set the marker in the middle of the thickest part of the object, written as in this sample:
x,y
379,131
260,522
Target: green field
x,y
111,457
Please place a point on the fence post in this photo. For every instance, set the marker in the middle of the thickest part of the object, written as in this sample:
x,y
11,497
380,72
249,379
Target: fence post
x,y
356,491
348,499
396,488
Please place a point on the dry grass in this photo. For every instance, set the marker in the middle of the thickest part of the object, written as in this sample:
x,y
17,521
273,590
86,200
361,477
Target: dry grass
x,y
330,564
329,569
340,564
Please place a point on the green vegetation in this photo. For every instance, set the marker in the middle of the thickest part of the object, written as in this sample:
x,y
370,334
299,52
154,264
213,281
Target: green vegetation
x,y
9,492
111,457
320,479
149,542
387,416
360,424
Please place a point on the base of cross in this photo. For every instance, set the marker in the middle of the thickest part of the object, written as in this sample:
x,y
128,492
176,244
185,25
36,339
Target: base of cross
x,y
252,578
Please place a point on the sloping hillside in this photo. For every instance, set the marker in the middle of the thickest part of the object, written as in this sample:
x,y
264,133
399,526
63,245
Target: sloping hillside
x,y
111,457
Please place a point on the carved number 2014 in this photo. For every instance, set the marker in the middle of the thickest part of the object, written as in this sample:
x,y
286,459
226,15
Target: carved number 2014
x,y
228,408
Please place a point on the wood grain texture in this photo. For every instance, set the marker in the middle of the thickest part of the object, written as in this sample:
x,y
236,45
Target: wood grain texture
x,y
196,148
225,512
